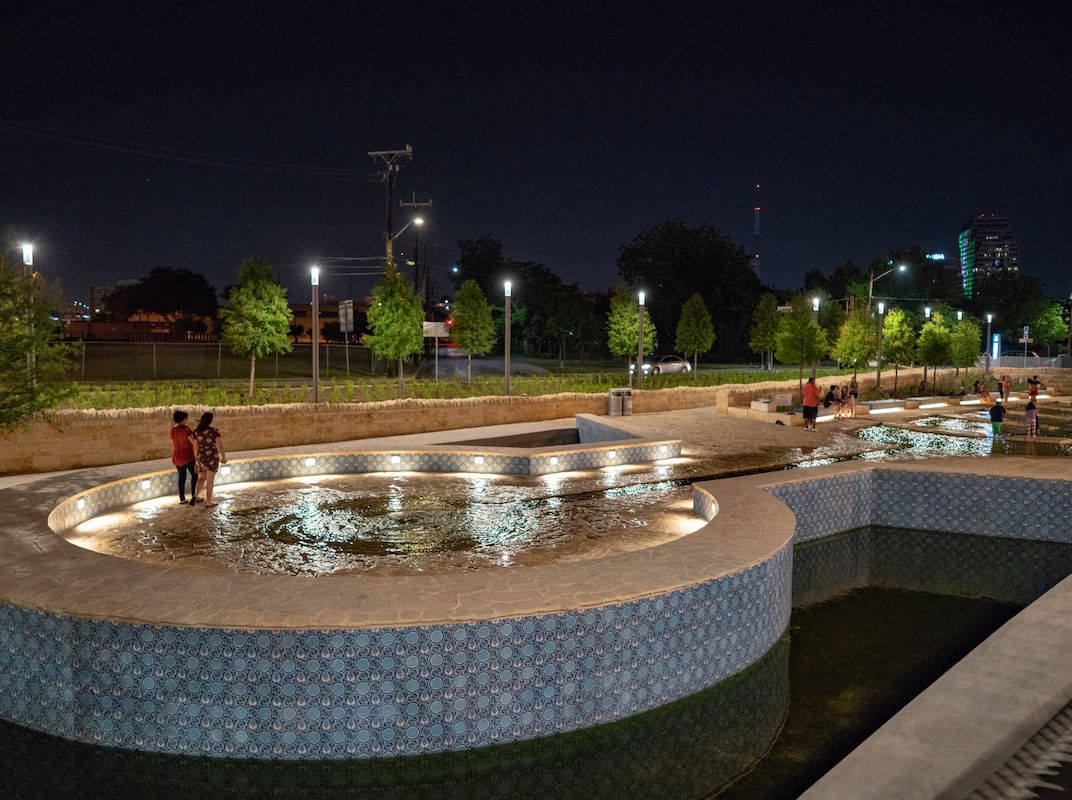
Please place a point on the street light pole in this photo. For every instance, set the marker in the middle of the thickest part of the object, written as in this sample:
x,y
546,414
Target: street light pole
x,y
31,356
871,283
878,356
640,341
989,319
815,317
314,336
507,288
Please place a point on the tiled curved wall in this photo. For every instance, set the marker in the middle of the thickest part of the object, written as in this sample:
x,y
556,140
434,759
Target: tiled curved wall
x,y
388,691
321,694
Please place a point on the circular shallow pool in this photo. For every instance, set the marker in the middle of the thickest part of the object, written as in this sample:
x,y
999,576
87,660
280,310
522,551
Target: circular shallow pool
x,y
392,524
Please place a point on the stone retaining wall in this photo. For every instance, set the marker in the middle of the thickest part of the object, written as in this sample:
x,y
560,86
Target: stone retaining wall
x,y
74,439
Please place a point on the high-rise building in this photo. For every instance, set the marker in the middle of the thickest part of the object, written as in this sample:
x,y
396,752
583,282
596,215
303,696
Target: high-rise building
x,y
986,245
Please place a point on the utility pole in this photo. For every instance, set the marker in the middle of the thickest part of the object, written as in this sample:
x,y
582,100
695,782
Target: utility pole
x,y
390,164
416,205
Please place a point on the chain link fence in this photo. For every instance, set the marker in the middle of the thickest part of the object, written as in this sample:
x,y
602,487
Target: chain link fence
x,y
195,361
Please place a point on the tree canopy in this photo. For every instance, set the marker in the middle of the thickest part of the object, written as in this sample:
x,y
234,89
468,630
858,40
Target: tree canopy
x,y
964,343
898,341
800,340
763,336
672,261
395,321
695,332
857,340
622,325
473,329
171,293
256,322
34,361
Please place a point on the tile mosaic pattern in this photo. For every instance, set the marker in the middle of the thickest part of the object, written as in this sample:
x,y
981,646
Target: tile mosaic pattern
x,y
828,505
591,429
377,692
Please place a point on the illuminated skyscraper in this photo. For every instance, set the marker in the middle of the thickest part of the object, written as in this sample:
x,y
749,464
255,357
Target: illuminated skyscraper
x,y
986,245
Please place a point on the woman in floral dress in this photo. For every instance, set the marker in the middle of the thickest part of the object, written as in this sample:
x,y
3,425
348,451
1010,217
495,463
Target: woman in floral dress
x,y
208,450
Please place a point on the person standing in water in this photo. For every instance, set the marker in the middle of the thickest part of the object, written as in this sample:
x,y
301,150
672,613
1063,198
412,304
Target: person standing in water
x,y
182,455
208,447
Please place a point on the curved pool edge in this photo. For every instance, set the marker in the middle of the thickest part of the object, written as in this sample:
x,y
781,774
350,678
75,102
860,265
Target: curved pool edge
x,y
712,603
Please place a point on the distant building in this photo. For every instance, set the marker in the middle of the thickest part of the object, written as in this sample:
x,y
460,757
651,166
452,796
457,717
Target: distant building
x,y
986,246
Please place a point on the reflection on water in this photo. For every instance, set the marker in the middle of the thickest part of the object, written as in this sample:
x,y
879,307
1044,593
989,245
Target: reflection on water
x,y
967,424
920,444
396,524
879,614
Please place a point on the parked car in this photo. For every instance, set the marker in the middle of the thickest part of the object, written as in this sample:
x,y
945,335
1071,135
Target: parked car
x,y
1032,356
664,365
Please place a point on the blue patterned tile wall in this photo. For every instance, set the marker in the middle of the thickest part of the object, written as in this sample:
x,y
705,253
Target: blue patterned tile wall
x,y
828,505
592,430
1023,508
367,693
93,502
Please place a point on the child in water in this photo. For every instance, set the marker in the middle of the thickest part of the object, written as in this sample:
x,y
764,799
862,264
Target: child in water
x,y
1031,418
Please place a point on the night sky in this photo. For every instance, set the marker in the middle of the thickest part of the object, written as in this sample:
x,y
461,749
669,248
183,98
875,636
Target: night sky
x,y
561,129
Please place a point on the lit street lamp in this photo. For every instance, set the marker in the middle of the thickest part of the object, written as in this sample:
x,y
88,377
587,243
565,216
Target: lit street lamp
x,y
960,316
640,340
507,287
31,357
314,278
878,355
927,312
27,254
989,319
815,317
874,277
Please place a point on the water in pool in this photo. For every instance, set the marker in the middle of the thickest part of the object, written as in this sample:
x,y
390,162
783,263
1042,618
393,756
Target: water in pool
x,y
878,615
395,524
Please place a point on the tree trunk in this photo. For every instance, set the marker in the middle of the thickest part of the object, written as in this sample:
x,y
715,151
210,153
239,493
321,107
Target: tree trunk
x,y
401,381
695,365
469,369
924,377
252,372
896,370
934,377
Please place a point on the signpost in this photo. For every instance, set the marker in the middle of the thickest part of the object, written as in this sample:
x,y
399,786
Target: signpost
x,y
346,327
1026,340
436,330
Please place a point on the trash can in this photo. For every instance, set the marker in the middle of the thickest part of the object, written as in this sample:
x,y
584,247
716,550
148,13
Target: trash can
x,y
620,402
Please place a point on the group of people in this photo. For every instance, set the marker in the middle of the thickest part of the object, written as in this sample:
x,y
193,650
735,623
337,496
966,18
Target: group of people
x,y
842,398
197,453
998,411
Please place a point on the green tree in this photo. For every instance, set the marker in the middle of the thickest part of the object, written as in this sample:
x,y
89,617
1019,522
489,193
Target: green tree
x,y
34,362
1050,326
674,261
695,332
857,340
171,293
764,332
622,322
898,341
473,329
396,322
964,343
800,340
934,345
256,322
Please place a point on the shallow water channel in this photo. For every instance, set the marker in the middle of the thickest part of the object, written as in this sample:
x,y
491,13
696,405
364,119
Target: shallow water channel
x,y
878,615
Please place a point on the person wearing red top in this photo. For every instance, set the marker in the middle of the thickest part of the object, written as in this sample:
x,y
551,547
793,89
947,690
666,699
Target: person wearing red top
x,y
182,455
809,396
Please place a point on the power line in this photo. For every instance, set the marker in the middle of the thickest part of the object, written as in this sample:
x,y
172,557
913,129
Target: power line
x,y
187,156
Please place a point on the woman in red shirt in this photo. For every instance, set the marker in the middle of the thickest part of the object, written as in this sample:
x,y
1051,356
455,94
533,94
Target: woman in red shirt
x,y
182,455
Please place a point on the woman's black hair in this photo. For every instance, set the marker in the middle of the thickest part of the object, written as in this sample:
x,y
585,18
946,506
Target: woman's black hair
x,y
179,416
205,421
